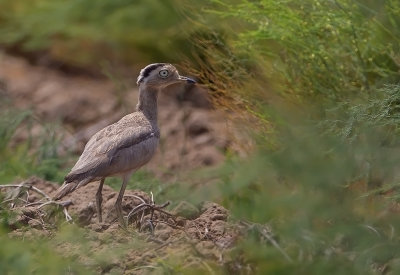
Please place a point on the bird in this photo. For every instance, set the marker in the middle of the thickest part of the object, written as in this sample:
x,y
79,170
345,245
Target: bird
x,y
119,149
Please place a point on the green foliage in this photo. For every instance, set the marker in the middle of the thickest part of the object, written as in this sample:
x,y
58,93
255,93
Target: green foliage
x,y
380,111
330,188
331,49
30,157
20,160
79,32
33,257
331,203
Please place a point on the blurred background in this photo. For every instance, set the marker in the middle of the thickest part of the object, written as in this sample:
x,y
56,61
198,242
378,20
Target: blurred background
x,y
293,127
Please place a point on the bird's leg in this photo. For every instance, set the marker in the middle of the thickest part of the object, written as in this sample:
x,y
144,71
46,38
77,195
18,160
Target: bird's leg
x,y
118,202
99,200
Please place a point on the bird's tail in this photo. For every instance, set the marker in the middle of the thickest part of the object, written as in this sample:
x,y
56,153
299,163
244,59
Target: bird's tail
x,y
65,189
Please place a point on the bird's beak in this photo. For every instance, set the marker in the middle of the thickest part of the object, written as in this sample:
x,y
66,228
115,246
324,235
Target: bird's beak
x,y
187,79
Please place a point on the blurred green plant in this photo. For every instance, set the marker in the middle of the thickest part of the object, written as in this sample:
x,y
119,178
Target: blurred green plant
x,y
79,32
331,200
21,159
34,257
330,188
326,50
380,110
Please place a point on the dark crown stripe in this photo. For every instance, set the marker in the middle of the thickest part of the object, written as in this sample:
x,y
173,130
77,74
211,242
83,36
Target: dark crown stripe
x,y
147,70
150,68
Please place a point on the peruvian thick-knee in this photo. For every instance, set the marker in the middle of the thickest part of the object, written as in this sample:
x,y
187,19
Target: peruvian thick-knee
x,y
123,147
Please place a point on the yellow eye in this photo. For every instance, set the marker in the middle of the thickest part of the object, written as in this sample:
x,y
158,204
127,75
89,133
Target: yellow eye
x,y
164,73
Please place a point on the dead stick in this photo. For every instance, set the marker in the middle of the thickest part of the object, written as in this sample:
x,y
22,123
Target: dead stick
x,y
30,187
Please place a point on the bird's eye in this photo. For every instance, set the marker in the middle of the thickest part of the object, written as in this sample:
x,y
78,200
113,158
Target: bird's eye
x,y
164,73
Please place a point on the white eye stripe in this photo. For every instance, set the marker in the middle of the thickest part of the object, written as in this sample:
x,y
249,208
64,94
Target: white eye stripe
x,y
164,73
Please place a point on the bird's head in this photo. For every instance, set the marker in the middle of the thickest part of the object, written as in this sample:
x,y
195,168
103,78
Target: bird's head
x,y
161,75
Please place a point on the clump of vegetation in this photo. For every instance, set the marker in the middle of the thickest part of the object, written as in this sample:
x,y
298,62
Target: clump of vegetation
x,y
333,204
27,257
325,49
79,32
31,156
380,111
328,187
21,160
26,155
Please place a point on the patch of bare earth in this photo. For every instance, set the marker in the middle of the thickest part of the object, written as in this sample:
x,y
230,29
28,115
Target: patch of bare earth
x,y
189,237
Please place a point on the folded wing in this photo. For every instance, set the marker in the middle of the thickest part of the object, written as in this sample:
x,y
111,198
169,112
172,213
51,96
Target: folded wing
x,y
97,157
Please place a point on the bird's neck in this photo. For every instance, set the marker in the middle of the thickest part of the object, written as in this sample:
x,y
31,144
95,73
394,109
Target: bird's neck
x,y
147,103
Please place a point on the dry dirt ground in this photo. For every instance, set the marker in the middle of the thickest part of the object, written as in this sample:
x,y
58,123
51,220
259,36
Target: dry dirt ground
x,y
193,238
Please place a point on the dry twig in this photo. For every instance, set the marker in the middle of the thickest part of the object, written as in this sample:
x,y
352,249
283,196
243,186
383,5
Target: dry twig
x,y
46,200
141,209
